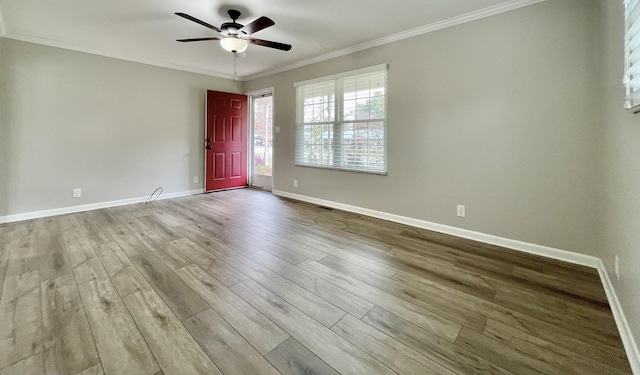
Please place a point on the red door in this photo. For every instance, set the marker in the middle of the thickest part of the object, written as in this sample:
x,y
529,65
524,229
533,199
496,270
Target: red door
x,y
226,141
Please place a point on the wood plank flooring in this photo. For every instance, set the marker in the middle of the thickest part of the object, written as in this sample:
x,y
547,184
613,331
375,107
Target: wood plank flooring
x,y
243,282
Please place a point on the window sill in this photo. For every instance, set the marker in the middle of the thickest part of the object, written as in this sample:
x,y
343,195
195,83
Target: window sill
x,y
379,173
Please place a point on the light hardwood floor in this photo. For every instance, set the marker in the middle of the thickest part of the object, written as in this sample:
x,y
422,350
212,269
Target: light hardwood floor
x,y
243,282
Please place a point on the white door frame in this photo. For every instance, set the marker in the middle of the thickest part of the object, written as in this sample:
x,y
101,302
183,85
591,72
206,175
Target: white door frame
x,y
252,96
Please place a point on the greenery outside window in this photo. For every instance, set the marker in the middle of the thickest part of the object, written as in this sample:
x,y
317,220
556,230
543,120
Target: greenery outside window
x,y
341,121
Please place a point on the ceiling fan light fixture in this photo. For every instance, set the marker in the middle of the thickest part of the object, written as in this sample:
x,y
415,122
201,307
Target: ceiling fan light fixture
x,y
235,37
234,44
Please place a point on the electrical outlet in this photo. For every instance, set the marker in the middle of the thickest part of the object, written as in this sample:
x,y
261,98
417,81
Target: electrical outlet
x,y
460,210
76,193
295,183
276,129
195,179
616,267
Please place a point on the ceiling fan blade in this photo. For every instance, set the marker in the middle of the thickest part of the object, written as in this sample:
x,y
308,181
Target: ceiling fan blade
x,y
257,25
267,43
190,18
196,39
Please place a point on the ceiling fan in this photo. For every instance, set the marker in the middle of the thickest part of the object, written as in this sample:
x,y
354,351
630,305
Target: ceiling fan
x,y
235,37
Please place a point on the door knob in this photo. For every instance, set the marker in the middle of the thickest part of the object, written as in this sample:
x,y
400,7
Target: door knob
x,y
209,147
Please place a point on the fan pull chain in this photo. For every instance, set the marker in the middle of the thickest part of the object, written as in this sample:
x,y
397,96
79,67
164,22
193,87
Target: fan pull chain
x,y
235,57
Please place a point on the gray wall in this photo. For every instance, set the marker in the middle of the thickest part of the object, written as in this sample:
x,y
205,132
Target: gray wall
x,y
518,116
114,128
621,170
498,114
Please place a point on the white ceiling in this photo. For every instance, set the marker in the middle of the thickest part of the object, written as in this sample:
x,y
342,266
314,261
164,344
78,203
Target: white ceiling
x,y
145,30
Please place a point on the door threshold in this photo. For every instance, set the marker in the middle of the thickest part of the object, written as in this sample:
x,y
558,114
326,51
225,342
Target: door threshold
x,y
225,189
260,187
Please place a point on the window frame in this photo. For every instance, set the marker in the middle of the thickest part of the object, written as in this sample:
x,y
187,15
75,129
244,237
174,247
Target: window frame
x,y
631,76
338,121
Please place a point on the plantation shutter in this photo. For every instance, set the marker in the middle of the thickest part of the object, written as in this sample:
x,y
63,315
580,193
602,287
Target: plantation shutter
x,y
341,121
631,78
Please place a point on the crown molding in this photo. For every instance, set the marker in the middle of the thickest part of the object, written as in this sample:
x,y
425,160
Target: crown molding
x,y
454,21
59,44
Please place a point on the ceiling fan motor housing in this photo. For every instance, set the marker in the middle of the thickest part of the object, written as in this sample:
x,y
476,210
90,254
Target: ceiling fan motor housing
x,y
231,28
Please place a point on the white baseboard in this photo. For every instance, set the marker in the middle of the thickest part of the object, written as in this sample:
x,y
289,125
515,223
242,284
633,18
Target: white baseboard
x,y
91,206
586,260
549,252
630,346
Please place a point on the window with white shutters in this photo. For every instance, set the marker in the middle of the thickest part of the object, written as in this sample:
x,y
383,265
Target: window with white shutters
x,y
631,78
341,121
